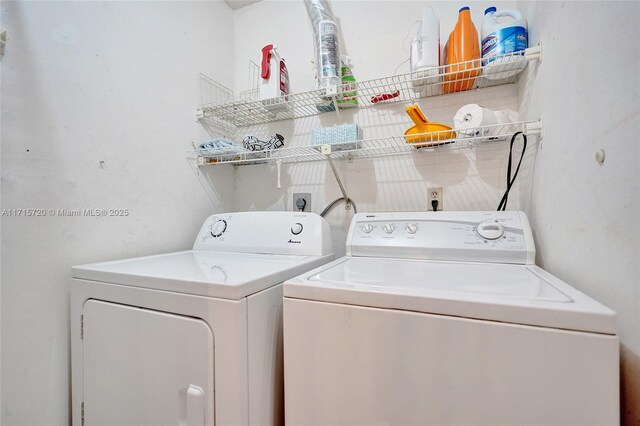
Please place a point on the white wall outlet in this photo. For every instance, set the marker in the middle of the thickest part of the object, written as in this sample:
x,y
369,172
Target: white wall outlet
x,y
434,195
302,202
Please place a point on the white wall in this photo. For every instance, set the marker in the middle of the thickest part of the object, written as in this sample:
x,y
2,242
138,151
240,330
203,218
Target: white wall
x,y
84,82
585,215
377,37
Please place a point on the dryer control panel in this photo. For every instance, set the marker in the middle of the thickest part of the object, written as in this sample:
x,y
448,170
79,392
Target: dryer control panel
x,y
274,232
500,237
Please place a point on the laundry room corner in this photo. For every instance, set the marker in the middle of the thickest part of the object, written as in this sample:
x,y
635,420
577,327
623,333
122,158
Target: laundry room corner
x,y
583,214
97,114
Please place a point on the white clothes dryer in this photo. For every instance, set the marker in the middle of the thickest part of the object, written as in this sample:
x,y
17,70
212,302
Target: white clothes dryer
x,y
193,337
443,318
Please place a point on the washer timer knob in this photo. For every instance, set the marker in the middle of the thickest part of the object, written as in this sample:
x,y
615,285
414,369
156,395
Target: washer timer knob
x,y
411,228
389,228
367,228
218,228
490,230
296,228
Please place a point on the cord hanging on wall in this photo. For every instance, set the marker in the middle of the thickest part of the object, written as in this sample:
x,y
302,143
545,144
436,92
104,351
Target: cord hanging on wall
x,y
510,180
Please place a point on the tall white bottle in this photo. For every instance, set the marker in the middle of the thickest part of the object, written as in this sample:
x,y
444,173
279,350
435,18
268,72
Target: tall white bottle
x,y
425,50
502,39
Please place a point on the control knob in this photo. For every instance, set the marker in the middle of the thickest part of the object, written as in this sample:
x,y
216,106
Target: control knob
x,y
411,228
490,230
218,228
296,228
367,228
389,228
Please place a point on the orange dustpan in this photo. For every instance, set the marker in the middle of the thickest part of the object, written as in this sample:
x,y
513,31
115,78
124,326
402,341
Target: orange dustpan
x,y
423,131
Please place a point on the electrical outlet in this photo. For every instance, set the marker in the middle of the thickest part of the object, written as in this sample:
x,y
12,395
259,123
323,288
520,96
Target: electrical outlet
x,y
434,194
302,202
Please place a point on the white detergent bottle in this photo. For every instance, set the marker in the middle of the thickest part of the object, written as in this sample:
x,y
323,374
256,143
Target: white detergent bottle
x,y
503,37
425,50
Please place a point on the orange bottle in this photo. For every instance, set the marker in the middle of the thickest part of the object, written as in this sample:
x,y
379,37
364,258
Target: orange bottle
x,y
460,55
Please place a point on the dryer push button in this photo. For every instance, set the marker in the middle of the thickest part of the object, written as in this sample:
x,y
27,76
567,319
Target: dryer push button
x,y
296,228
218,228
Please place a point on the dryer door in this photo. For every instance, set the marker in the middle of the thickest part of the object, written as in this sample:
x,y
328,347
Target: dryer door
x,y
144,367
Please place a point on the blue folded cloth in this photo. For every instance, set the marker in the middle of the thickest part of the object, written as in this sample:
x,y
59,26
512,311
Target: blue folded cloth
x,y
219,146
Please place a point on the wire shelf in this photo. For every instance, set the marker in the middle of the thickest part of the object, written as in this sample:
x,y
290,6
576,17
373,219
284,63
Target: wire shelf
x,y
246,110
372,148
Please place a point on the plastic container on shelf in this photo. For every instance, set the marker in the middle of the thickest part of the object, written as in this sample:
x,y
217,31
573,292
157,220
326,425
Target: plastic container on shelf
x,y
274,78
425,51
349,96
327,45
462,55
501,40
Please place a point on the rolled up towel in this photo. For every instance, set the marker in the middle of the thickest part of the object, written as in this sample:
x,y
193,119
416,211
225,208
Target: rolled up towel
x,y
252,143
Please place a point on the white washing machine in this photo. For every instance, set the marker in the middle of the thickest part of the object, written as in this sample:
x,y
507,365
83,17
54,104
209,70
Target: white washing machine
x,y
194,337
443,318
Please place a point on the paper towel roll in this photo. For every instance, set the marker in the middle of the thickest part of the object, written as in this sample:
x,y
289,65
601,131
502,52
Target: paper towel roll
x,y
470,117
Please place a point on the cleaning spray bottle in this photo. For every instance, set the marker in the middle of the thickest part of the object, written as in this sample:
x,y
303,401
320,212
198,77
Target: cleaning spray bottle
x,y
274,78
460,54
425,51
349,96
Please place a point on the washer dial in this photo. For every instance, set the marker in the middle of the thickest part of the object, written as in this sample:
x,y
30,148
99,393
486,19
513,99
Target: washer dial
x,y
411,228
389,228
490,230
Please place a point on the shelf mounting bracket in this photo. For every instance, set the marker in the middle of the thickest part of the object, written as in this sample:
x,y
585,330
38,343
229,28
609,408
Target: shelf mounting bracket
x,y
534,128
533,53
334,99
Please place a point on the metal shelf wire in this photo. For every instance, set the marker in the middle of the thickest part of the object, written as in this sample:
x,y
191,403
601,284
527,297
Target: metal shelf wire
x,y
246,110
372,148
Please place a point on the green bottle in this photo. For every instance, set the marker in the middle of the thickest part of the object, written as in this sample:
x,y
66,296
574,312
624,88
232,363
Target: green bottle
x,y
349,98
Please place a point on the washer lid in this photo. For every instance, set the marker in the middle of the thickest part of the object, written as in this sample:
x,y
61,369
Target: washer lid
x,y
225,275
520,294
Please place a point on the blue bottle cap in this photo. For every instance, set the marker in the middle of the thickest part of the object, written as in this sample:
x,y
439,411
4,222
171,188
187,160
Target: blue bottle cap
x,y
464,8
490,9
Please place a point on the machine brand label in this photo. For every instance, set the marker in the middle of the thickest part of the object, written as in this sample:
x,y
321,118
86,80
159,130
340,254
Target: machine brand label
x,y
294,242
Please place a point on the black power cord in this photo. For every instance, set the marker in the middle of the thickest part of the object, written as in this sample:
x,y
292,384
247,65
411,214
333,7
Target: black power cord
x,y
301,203
434,204
510,180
